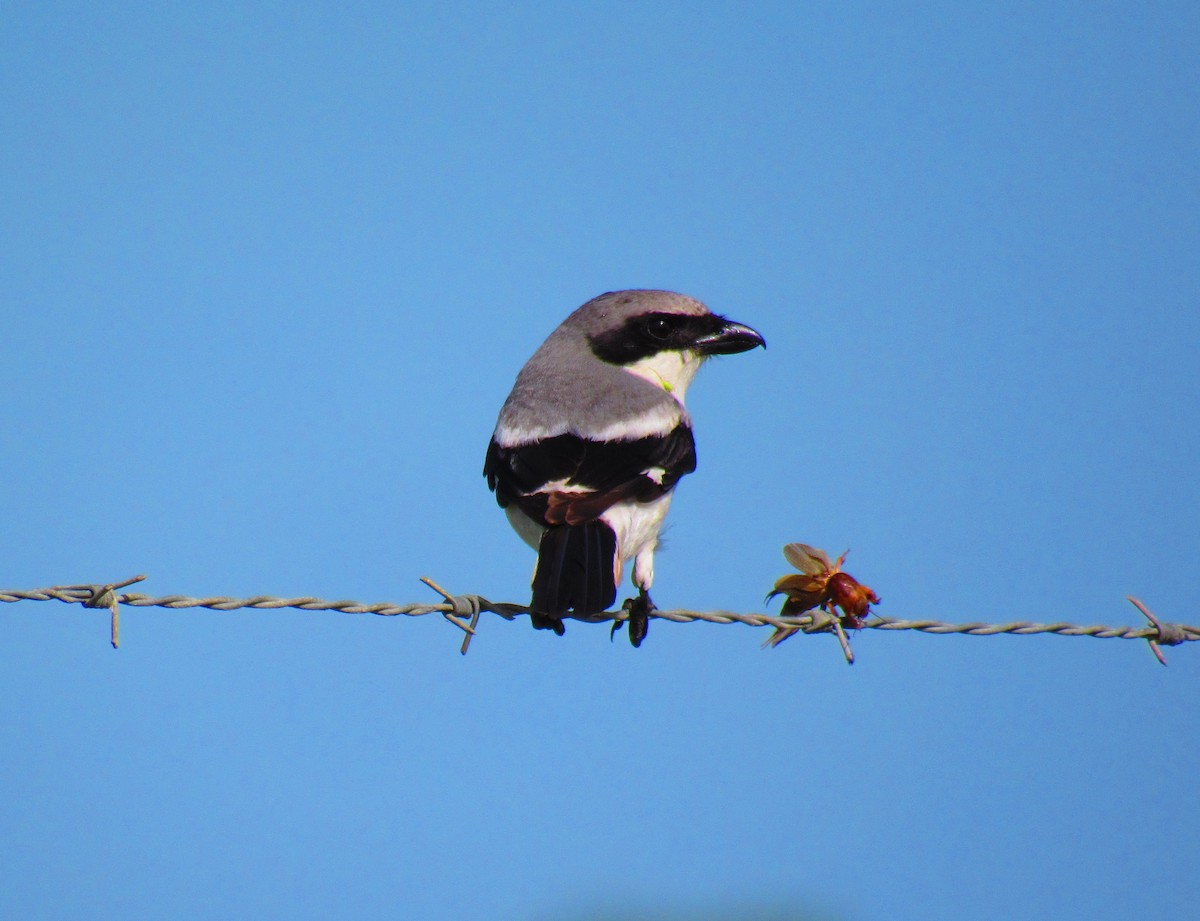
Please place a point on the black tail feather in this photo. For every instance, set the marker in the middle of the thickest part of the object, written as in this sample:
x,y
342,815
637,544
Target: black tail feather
x,y
599,577
574,573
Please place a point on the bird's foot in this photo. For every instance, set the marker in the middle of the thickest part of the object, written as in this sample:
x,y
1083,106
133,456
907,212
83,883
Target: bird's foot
x,y
546,622
637,612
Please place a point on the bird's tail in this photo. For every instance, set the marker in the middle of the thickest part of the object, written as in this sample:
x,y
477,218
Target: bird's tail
x,y
576,571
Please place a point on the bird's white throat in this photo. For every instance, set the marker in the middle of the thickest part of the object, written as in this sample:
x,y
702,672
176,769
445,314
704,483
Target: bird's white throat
x,y
672,371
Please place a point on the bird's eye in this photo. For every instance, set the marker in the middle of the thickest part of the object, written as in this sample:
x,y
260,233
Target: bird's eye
x,y
658,328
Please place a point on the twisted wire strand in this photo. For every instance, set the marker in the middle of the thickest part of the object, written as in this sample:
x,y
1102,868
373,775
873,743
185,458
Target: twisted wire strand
x,y
456,607
461,604
1027,628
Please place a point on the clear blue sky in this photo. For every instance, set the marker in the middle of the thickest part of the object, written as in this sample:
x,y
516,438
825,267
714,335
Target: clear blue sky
x,y
266,275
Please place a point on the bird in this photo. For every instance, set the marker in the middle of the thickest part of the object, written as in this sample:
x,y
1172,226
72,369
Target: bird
x,y
592,441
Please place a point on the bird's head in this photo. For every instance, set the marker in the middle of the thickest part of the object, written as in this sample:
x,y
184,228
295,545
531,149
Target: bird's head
x,y
659,335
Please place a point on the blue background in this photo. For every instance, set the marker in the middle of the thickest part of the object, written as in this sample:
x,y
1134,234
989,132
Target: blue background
x,y
266,275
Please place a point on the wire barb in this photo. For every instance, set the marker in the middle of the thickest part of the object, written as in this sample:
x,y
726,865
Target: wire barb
x,y
1170,634
103,596
461,606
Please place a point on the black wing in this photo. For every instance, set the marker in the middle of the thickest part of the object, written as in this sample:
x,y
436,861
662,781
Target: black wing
x,y
609,471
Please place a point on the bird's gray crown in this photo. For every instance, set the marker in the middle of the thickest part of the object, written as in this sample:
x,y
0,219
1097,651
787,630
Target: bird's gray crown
x,y
611,310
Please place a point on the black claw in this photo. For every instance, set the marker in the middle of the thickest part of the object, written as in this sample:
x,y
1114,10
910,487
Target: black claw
x,y
546,622
639,626
639,609
626,606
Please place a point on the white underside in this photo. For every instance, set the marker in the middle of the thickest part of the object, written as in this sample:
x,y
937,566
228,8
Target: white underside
x,y
636,525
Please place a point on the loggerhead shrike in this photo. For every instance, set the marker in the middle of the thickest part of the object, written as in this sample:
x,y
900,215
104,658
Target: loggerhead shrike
x,y
592,440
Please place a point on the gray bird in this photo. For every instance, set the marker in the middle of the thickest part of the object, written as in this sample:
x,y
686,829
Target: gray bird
x,y
592,440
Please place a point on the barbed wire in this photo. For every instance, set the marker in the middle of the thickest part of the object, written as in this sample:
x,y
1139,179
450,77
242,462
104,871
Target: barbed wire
x,y
464,612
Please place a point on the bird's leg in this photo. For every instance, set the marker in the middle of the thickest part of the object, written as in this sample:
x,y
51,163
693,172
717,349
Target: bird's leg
x,y
638,610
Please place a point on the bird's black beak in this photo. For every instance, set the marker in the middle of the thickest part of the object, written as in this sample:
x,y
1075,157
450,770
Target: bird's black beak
x,y
729,339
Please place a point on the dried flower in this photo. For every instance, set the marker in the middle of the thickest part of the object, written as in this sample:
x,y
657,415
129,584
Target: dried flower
x,y
820,584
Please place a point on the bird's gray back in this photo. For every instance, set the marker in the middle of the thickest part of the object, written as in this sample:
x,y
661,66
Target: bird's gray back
x,y
564,387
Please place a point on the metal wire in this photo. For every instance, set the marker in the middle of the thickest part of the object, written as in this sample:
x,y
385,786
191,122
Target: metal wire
x,y
464,610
